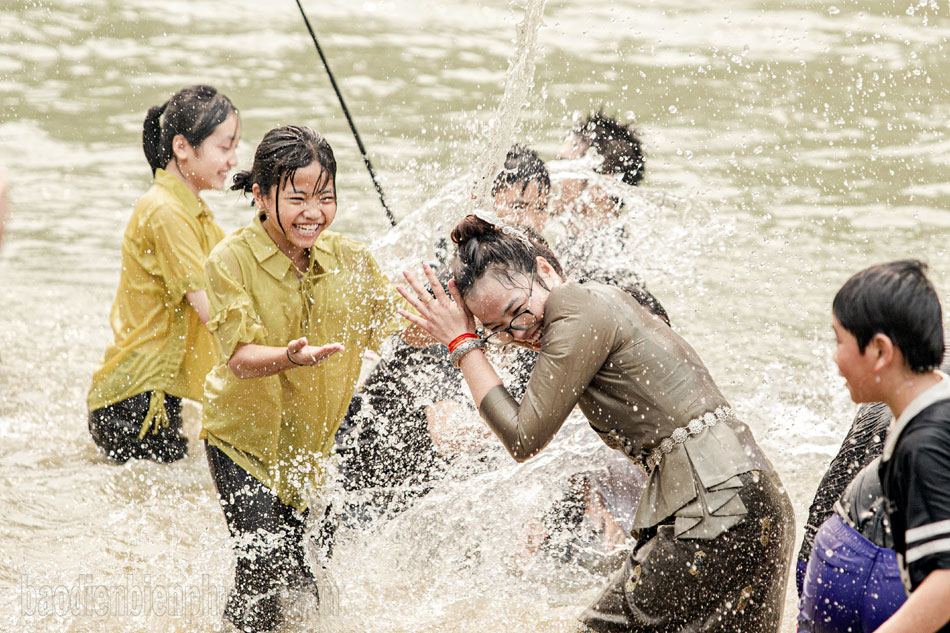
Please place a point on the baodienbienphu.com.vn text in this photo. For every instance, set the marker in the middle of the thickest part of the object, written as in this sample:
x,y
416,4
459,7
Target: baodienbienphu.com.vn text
x,y
135,596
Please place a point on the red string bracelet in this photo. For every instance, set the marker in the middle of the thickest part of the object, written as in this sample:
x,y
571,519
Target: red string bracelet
x,y
458,339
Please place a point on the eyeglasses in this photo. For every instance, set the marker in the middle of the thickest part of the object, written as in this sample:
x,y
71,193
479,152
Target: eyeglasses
x,y
524,320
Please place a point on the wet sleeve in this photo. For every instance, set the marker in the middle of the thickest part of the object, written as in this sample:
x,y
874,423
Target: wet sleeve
x,y
178,251
519,371
927,488
384,320
579,335
233,317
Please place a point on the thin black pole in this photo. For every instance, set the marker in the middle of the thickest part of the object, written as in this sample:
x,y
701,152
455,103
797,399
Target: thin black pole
x,y
349,119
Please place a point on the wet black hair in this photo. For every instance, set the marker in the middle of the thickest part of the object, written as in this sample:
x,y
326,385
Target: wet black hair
x,y
280,154
616,142
895,299
194,112
509,249
505,249
522,166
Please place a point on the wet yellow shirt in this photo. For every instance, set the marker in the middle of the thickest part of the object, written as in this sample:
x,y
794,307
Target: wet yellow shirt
x,y
159,343
280,428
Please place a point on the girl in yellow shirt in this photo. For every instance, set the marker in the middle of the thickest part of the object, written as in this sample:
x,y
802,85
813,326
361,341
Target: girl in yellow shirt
x,y
293,307
161,350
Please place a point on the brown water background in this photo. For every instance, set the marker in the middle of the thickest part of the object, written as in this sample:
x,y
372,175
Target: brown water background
x,y
809,138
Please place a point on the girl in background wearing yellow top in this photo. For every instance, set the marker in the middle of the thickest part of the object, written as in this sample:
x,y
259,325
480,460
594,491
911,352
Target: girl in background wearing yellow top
x,y
161,350
293,308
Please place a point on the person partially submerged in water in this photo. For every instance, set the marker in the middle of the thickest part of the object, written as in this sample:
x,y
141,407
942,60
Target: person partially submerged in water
x,y
714,526
412,418
598,148
393,442
293,308
161,350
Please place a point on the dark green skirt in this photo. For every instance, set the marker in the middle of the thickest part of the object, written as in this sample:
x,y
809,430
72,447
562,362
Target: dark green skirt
x,y
732,583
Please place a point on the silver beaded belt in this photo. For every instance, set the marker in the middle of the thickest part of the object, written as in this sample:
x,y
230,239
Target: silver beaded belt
x,y
683,433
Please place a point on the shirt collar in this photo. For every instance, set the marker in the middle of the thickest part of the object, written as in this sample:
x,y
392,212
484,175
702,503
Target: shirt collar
x,y
940,391
323,256
271,259
193,204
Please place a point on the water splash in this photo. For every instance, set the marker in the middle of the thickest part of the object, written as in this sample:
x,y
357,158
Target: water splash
x,y
416,237
502,127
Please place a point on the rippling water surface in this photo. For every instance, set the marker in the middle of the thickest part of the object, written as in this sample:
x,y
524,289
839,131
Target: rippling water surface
x,y
789,145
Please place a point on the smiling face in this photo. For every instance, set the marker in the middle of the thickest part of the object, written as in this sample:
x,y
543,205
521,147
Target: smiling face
x,y
496,300
207,166
306,205
857,367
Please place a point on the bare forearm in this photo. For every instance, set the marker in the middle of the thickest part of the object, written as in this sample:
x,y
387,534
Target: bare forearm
x,y
255,361
455,429
417,337
479,374
198,299
926,610
250,360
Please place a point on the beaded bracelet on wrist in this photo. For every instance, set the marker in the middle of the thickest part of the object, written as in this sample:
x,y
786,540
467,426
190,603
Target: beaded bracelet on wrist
x,y
464,348
458,340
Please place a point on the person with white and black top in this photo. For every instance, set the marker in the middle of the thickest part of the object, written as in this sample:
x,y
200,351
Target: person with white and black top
x,y
852,582
889,330
916,477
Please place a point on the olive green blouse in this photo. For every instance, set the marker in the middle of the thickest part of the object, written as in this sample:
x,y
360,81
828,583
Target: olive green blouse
x,y
645,391
159,343
280,428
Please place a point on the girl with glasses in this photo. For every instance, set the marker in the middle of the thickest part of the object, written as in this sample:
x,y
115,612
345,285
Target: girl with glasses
x,y
714,527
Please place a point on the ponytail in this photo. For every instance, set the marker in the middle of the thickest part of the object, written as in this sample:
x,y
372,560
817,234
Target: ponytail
x,y
152,138
243,181
194,112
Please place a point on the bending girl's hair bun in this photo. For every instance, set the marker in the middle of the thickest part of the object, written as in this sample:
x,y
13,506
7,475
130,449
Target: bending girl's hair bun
x,y
472,227
482,245
243,181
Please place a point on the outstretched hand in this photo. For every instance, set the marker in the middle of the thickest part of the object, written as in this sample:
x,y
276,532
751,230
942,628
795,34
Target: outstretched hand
x,y
300,353
442,316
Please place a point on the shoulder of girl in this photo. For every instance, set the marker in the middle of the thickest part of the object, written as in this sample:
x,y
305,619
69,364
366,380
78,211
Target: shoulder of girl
x,y
569,292
344,246
156,203
571,297
227,247
342,241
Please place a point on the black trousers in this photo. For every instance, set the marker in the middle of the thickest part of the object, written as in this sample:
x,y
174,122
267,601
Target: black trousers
x,y
268,538
115,429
